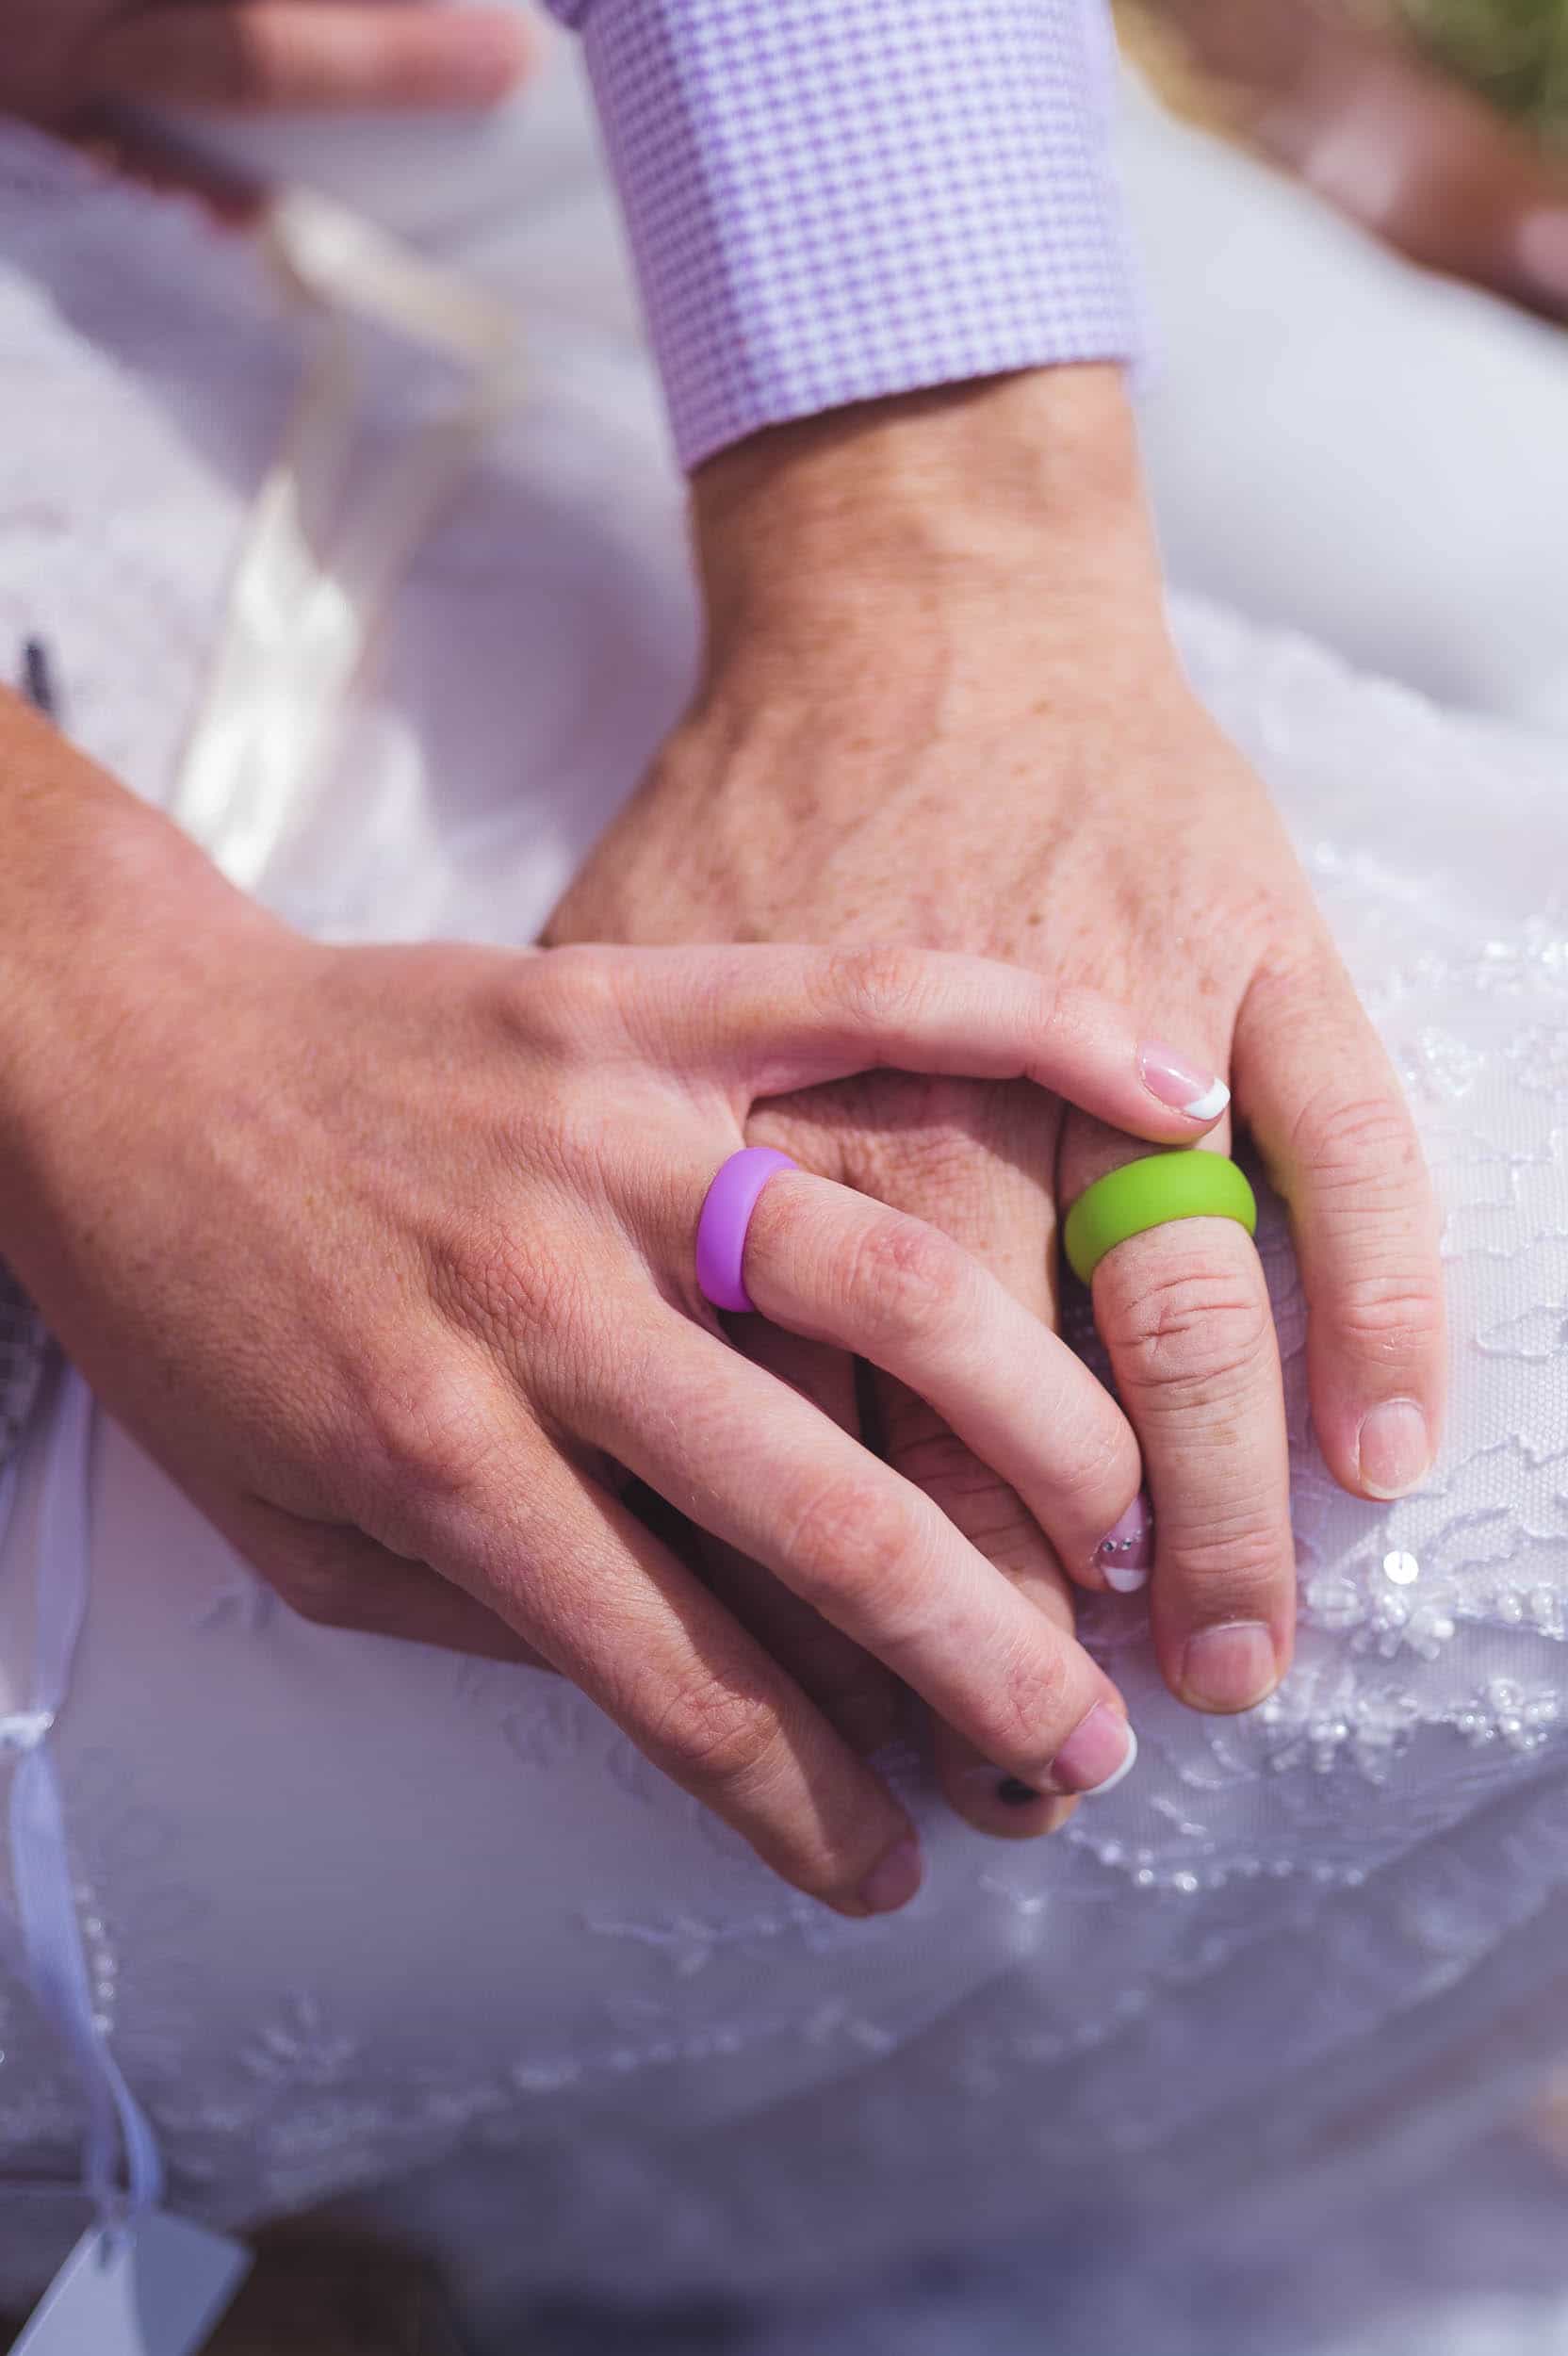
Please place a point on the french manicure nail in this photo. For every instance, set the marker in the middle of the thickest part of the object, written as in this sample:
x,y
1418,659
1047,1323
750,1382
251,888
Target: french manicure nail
x,y
893,1882
1126,1554
1180,1082
1395,1448
1098,1752
1229,1667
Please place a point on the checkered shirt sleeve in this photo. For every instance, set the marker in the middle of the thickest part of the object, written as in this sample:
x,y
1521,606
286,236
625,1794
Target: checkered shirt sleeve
x,y
834,200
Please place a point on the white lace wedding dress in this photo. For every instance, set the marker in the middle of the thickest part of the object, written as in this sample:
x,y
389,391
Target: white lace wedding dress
x,y
359,1913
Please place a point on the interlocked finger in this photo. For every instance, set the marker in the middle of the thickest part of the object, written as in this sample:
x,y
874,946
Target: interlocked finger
x,y
854,1692
1185,1314
830,1264
974,1162
756,1466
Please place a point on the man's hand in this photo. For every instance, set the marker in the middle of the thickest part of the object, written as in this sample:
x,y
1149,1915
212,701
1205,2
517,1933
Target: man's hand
x,y
942,707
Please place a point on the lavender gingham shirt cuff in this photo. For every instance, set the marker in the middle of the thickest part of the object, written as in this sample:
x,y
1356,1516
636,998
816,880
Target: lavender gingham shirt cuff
x,y
830,201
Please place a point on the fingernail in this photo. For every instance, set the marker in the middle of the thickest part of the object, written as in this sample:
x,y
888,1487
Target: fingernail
x,y
1542,245
1184,1085
1395,1448
1015,1794
1229,1667
1010,1790
1097,1754
1049,1809
1126,1554
481,56
892,1883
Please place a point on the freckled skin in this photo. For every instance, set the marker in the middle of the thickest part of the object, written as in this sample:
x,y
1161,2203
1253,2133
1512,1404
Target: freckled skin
x,y
386,1256
940,706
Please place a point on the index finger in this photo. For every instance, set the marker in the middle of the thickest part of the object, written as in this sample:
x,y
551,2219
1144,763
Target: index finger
x,y
778,1020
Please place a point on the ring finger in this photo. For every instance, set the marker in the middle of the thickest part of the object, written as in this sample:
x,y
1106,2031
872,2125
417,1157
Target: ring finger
x,y
1185,1314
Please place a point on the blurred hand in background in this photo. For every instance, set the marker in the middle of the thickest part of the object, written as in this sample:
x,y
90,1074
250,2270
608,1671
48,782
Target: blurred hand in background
x,y
85,68
63,62
1378,126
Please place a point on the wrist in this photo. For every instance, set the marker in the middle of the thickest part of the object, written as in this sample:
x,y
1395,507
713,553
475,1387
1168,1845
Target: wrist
x,y
967,491
112,924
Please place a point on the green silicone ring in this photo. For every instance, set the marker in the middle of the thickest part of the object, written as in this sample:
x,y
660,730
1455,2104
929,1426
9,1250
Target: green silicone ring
x,y
1150,1193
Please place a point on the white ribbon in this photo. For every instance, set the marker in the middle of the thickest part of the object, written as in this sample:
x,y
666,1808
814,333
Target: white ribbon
x,y
120,2167
308,592
311,585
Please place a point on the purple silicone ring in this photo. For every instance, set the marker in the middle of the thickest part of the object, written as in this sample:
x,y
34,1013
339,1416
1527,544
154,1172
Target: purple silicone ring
x,y
727,1210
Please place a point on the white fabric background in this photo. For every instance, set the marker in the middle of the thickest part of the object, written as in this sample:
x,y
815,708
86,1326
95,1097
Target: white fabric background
x,y
358,1910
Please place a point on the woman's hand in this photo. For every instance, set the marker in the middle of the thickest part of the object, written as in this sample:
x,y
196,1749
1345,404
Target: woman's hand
x,y
387,1256
91,71
73,65
942,708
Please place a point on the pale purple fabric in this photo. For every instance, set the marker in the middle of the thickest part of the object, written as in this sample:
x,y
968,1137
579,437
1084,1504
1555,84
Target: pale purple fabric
x,y
833,200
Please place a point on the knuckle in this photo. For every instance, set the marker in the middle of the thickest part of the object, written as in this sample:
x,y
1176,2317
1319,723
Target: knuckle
x,y
879,986
905,1278
513,1289
509,1291
1100,1465
850,1542
1236,1560
427,1433
565,997
1066,1014
716,1737
1024,1706
1199,1332
1356,1140
1389,1318
575,974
